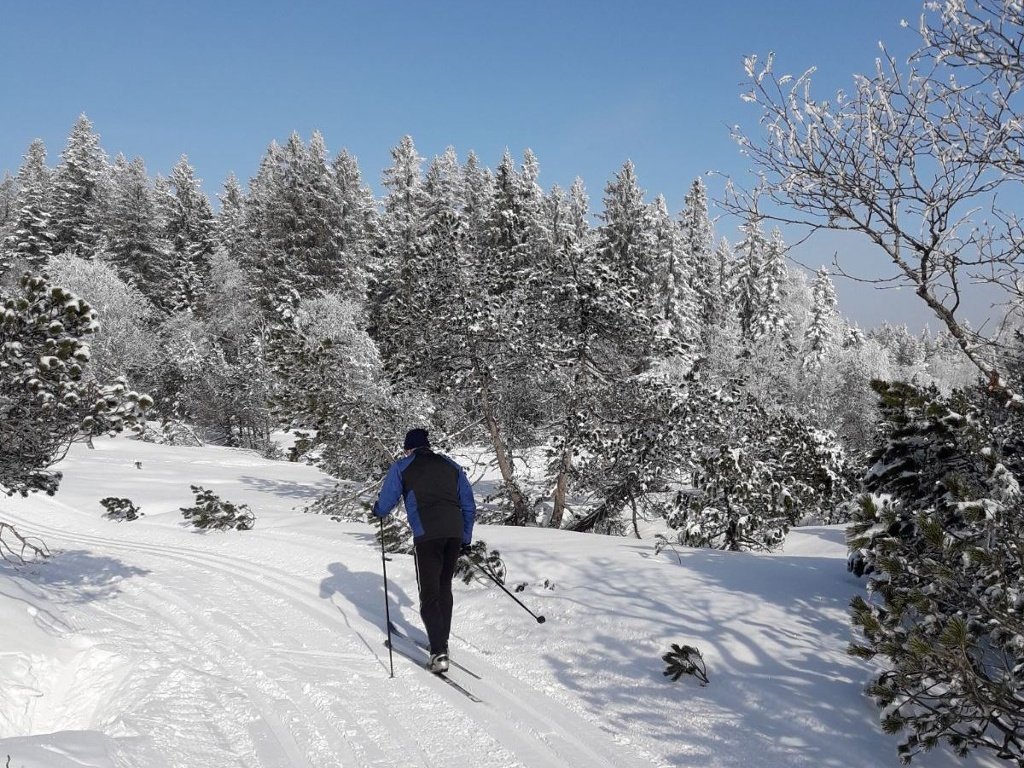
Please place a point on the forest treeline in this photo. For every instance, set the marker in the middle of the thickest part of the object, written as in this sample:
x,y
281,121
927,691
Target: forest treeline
x,y
657,369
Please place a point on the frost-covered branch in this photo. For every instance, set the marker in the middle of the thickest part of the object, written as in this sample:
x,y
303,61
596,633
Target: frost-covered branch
x,y
912,158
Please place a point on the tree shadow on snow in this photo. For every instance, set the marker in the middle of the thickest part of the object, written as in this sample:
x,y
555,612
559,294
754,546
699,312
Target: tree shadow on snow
x,y
288,488
778,688
78,576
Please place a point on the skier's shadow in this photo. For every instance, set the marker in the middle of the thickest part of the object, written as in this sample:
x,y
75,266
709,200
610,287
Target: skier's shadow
x,y
364,591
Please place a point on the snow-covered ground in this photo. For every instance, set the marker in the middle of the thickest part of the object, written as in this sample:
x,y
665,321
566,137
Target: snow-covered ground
x,y
147,644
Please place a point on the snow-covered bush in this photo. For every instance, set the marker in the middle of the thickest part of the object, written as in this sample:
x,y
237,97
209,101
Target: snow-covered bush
x,y
126,345
120,509
479,558
210,511
47,399
940,531
394,535
685,660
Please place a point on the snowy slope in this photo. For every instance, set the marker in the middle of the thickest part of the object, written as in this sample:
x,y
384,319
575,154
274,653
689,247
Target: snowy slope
x,y
148,644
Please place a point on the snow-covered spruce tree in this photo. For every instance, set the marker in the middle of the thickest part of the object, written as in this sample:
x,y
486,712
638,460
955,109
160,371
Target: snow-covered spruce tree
x,y
708,283
332,392
231,227
358,228
466,346
589,306
604,323
30,242
133,228
8,194
756,473
676,305
762,271
400,277
305,235
78,193
46,397
821,331
939,530
188,228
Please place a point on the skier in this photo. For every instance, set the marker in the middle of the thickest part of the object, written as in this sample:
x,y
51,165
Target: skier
x,y
441,511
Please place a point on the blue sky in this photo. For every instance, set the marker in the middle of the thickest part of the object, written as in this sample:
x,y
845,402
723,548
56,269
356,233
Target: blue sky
x,y
585,85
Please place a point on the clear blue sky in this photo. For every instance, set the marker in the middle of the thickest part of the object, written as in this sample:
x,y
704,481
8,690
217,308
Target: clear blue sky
x,y
584,84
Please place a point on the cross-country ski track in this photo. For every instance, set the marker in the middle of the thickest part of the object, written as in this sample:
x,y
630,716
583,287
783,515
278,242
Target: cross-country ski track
x,y
283,674
148,644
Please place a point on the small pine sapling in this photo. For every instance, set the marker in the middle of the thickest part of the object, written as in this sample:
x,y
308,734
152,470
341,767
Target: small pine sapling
x,y
397,535
685,660
211,511
489,562
120,509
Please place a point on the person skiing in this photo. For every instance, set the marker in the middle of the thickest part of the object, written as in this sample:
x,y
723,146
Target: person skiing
x,y
441,510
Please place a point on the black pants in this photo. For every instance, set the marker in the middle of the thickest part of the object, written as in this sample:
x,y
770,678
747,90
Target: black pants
x,y
435,567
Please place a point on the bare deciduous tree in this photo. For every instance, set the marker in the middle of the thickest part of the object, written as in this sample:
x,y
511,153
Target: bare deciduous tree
x,y
923,158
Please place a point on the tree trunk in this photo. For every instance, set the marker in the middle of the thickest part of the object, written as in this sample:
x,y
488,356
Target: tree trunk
x,y
561,486
520,505
565,464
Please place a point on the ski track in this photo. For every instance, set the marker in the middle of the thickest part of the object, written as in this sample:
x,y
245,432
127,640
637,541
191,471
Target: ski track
x,y
241,691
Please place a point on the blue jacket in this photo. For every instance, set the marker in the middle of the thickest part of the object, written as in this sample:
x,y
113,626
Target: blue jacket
x,y
438,497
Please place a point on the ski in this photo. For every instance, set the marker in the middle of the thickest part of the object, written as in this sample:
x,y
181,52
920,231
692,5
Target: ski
x,y
420,644
441,676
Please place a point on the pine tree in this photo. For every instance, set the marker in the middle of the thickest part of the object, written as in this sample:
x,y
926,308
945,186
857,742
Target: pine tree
x,y
400,279
819,335
79,185
30,243
46,397
358,227
938,529
698,243
8,196
189,231
675,305
231,226
133,229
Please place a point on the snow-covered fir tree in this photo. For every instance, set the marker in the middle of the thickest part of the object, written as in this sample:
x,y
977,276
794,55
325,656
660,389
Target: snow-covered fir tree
x,y
188,227
358,227
29,245
78,192
133,228
675,303
706,278
8,195
820,333
399,278
231,230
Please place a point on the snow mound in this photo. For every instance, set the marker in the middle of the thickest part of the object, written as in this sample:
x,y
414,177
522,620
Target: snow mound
x,y
51,679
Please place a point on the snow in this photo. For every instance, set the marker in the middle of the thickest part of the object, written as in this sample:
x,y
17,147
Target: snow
x,y
147,643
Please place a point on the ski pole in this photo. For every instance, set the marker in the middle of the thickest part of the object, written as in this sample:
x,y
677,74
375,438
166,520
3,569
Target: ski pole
x,y
492,577
387,605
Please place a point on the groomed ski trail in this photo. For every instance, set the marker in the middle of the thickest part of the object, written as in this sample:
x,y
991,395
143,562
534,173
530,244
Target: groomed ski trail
x,y
263,669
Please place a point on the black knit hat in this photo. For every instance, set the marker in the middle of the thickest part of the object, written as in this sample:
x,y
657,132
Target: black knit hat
x,y
416,438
